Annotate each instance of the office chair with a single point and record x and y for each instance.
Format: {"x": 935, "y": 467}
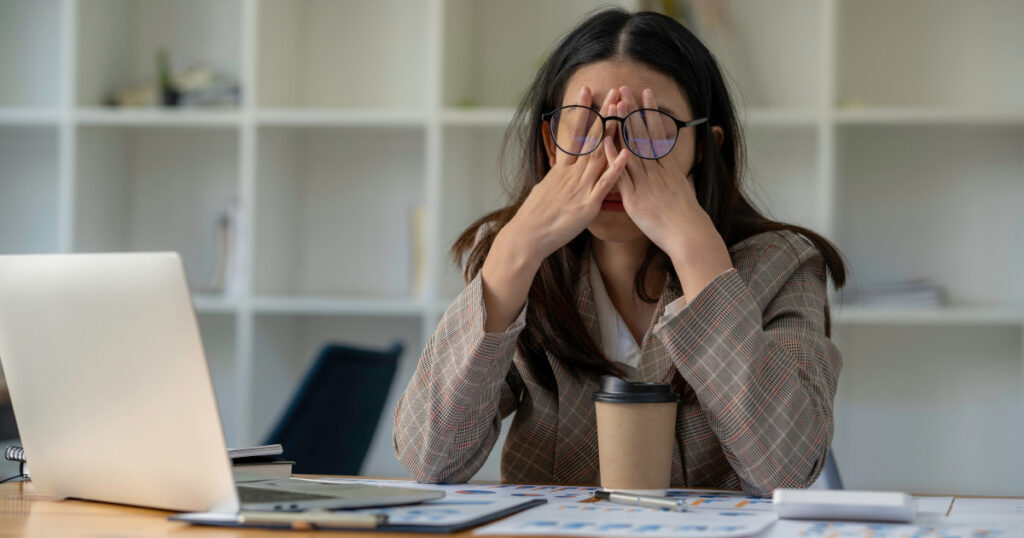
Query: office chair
{"x": 329, "y": 423}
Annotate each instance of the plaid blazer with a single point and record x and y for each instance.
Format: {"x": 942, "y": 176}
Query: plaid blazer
{"x": 749, "y": 357}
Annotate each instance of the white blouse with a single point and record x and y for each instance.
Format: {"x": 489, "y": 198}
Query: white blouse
{"x": 617, "y": 342}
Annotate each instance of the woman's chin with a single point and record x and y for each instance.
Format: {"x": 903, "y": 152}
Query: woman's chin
{"x": 615, "y": 227}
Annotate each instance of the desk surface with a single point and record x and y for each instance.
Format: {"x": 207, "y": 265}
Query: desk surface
{"x": 23, "y": 512}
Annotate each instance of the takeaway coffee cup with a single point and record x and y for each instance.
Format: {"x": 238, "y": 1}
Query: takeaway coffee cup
{"x": 635, "y": 429}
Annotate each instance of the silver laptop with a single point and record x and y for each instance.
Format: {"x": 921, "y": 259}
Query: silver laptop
{"x": 113, "y": 396}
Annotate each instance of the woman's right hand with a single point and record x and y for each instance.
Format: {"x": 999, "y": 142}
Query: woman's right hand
{"x": 569, "y": 196}
{"x": 557, "y": 209}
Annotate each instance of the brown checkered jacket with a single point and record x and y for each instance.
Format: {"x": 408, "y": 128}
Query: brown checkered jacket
{"x": 748, "y": 355}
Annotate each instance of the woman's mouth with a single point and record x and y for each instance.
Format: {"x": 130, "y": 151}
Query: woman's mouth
{"x": 613, "y": 202}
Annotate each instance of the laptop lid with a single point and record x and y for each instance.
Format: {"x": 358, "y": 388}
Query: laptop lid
{"x": 109, "y": 382}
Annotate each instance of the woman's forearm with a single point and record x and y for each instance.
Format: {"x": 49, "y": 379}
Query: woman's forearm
{"x": 507, "y": 274}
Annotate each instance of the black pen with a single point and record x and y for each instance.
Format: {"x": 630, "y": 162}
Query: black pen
{"x": 647, "y": 501}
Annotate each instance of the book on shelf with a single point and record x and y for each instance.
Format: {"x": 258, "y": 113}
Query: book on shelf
{"x": 918, "y": 293}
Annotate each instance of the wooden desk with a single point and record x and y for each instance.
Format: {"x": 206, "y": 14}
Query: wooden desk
{"x": 23, "y": 512}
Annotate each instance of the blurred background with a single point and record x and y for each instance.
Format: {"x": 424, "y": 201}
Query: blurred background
{"x": 313, "y": 160}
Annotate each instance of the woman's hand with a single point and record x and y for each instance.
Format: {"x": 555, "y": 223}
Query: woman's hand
{"x": 569, "y": 197}
{"x": 557, "y": 209}
{"x": 660, "y": 199}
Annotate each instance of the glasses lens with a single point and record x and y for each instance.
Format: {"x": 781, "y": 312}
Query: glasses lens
{"x": 650, "y": 133}
{"x": 577, "y": 130}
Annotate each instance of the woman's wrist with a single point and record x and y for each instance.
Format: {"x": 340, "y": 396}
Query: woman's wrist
{"x": 516, "y": 248}
{"x": 698, "y": 260}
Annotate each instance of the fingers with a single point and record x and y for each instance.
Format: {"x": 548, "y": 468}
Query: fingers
{"x": 636, "y": 167}
{"x": 662, "y": 135}
{"x": 572, "y": 126}
{"x": 598, "y": 158}
{"x": 612, "y": 174}
{"x": 597, "y": 129}
{"x": 636, "y": 127}
{"x": 627, "y": 186}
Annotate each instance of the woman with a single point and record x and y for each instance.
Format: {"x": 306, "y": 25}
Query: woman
{"x": 628, "y": 249}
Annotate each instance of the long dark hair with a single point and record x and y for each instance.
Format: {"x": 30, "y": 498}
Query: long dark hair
{"x": 661, "y": 43}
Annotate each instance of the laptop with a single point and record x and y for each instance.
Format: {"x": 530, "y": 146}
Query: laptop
{"x": 113, "y": 397}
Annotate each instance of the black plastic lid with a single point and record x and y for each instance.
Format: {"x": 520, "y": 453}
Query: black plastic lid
{"x": 615, "y": 390}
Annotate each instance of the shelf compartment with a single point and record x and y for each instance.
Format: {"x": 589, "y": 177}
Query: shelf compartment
{"x": 335, "y": 211}
{"x": 488, "y": 62}
{"x": 965, "y": 54}
{"x": 915, "y": 399}
{"x": 765, "y": 65}
{"x": 471, "y": 186}
{"x": 783, "y": 175}
{"x": 119, "y": 40}
{"x": 343, "y": 54}
{"x": 149, "y": 189}
{"x": 285, "y": 347}
{"x": 219, "y": 344}
{"x": 29, "y": 190}
{"x": 907, "y": 195}
{"x": 30, "y": 53}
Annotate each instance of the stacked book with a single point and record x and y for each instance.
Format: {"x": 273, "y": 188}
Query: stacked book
{"x": 265, "y": 461}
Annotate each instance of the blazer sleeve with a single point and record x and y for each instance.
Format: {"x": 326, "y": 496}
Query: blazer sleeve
{"x": 449, "y": 417}
{"x": 767, "y": 375}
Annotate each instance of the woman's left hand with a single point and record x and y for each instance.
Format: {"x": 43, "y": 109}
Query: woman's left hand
{"x": 661, "y": 200}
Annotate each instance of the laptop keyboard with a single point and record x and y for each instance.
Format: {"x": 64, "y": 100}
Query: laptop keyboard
{"x": 249, "y": 495}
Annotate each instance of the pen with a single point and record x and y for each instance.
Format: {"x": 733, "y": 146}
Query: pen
{"x": 314, "y": 519}
{"x": 648, "y": 501}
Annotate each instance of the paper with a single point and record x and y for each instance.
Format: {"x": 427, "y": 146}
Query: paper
{"x": 697, "y": 499}
{"x": 1012, "y": 508}
{"x": 555, "y": 494}
{"x": 700, "y": 499}
{"x": 443, "y": 512}
{"x": 933, "y": 505}
{"x": 784, "y": 528}
{"x": 608, "y": 519}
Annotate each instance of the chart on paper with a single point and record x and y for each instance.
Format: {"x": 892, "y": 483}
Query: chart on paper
{"x": 695, "y": 499}
{"x": 606, "y": 519}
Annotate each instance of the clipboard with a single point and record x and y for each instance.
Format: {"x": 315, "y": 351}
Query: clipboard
{"x": 433, "y": 516}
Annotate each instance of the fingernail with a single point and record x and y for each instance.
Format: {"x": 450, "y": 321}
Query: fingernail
{"x": 583, "y": 90}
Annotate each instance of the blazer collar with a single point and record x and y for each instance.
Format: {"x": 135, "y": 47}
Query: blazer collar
{"x": 587, "y": 309}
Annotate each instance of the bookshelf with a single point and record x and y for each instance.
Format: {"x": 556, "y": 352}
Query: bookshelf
{"x": 900, "y": 137}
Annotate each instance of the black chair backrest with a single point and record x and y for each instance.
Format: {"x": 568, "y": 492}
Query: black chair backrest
{"x": 329, "y": 423}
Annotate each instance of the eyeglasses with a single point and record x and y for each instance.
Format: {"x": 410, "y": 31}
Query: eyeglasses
{"x": 648, "y": 133}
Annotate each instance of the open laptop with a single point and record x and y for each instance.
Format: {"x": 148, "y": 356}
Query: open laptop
{"x": 112, "y": 393}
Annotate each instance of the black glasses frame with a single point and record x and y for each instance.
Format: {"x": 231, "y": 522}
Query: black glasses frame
{"x": 622, "y": 126}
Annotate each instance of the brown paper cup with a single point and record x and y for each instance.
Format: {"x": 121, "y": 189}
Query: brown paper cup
{"x": 635, "y": 439}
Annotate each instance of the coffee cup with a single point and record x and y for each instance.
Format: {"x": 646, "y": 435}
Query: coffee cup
{"x": 635, "y": 431}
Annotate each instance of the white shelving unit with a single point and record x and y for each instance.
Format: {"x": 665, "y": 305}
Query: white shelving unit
{"x": 368, "y": 128}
